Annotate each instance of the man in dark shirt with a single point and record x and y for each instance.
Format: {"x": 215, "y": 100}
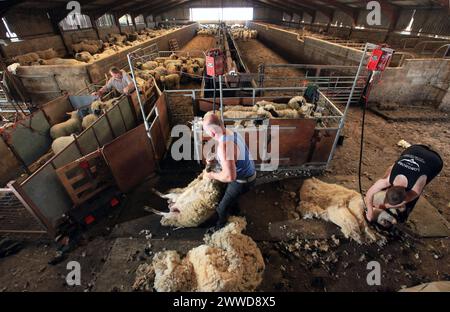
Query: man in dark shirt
{"x": 404, "y": 182}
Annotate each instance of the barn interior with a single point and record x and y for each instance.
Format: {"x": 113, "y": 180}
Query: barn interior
{"x": 326, "y": 94}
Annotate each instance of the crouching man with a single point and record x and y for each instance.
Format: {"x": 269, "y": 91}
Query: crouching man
{"x": 404, "y": 182}
{"x": 237, "y": 165}
{"x": 120, "y": 81}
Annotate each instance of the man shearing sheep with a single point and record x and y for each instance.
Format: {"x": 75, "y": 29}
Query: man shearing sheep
{"x": 237, "y": 165}
{"x": 404, "y": 182}
{"x": 119, "y": 80}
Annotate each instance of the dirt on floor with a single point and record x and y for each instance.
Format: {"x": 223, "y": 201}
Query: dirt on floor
{"x": 254, "y": 52}
{"x": 202, "y": 43}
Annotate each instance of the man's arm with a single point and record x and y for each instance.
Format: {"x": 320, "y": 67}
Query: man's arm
{"x": 106, "y": 88}
{"x": 130, "y": 86}
{"x": 416, "y": 190}
{"x": 378, "y": 186}
{"x": 228, "y": 163}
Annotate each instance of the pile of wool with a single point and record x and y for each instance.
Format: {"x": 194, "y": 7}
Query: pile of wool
{"x": 227, "y": 261}
{"x": 337, "y": 204}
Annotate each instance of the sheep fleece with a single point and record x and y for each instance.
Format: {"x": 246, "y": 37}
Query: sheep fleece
{"x": 196, "y": 203}
{"x": 227, "y": 261}
{"x": 339, "y": 205}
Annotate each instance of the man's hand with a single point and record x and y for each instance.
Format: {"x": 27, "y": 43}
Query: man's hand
{"x": 125, "y": 91}
{"x": 96, "y": 93}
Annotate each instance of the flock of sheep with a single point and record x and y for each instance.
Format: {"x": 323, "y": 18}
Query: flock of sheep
{"x": 63, "y": 133}
{"x": 170, "y": 71}
{"x": 88, "y": 50}
{"x": 297, "y": 107}
{"x": 243, "y": 33}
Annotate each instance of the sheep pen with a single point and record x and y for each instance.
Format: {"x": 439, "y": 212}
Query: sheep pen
{"x": 227, "y": 261}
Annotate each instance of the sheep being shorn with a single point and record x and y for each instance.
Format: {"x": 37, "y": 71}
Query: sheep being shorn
{"x": 192, "y": 205}
{"x": 227, "y": 261}
{"x": 68, "y": 127}
{"x": 337, "y": 204}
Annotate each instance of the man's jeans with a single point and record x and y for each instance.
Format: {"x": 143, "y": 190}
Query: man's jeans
{"x": 230, "y": 199}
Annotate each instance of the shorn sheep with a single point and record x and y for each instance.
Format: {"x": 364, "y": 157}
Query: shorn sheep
{"x": 337, "y": 204}
{"x": 192, "y": 205}
{"x": 227, "y": 261}
{"x": 66, "y": 128}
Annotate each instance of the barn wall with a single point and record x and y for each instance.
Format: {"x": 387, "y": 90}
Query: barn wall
{"x": 424, "y": 81}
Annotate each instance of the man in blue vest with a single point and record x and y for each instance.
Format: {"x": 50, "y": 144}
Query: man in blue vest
{"x": 237, "y": 165}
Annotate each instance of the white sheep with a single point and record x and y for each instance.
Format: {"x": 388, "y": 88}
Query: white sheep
{"x": 27, "y": 59}
{"x": 83, "y": 56}
{"x": 192, "y": 205}
{"x": 285, "y": 113}
{"x": 150, "y": 65}
{"x": 60, "y": 61}
{"x": 47, "y": 54}
{"x": 307, "y": 110}
{"x": 99, "y": 106}
{"x": 337, "y": 204}
{"x": 296, "y": 102}
{"x": 61, "y": 143}
{"x": 171, "y": 81}
{"x": 72, "y": 125}
{"x": 88, "y": 120}
{"x": 200, "y": 61}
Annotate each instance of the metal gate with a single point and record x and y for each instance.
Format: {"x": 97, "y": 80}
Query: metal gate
{"x": 15, "y": 217}
{"x": 334, "y": 81}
